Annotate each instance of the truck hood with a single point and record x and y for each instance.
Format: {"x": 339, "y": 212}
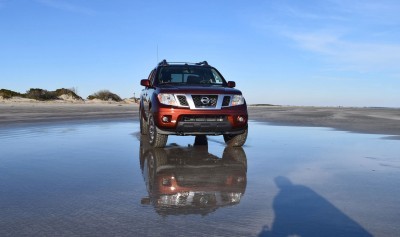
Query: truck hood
{"x": 198, "y": 90}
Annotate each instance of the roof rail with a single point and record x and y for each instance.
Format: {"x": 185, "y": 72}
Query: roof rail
{"x": 202, "y": 63}
{"x": 165, "y": 63}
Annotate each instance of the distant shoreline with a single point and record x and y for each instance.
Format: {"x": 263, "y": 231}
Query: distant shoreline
{"x": 385, "y": 121}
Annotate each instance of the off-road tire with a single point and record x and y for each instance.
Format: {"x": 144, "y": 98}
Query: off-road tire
{"x": 235, "y": 154}
{"x": 155, "y": 139}
{"x": 161, "y": 157}
{"x": 236, "y": 140}
{"x": 143, "y": 123}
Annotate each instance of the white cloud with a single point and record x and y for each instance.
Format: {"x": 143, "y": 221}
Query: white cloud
{"x": 322, "y": 43}
{"x": 354, "y": 55}
{"x": 65, "y": 6}
{"x": 384, "y": 11}
{"x": 348, "y": 35}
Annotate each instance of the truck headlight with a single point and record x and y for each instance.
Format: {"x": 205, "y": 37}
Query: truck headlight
{"x": 234, "y": 197}
{"x": 237, "y": 100}
{"x": 167, "y": 99}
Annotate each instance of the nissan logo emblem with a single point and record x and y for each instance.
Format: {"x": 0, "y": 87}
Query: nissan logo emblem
{"x": 205, "y": 100}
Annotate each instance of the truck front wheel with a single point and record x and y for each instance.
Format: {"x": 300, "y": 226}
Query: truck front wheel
{"x": 236, "y": 139}
{"x": 155, "y": 139}
{"x": 143, "y": 124}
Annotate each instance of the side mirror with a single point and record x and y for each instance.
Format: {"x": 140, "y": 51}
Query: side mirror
{"x": 231, "y": 84}
{"x": 145, "y": 82}
{"x": 145, "y": 201}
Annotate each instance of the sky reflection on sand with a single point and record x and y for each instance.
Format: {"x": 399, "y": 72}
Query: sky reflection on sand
{"x": 87, "y": 179}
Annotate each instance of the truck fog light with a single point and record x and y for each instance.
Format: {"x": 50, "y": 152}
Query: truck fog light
{"x": 166, "y": 119}
{"x": 240, "y": 119}
{"x": 166, "y": 182}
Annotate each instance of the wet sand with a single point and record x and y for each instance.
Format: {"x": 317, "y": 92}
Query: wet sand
{"x": 361, "y": 120}
{"x": 78, "y": 178}
{"x": 15, "y": 114}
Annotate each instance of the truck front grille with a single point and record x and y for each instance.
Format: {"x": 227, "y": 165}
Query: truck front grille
{"x": 201, "y": 101}
{"x": 182, "y": 100}
{"x": 226, "y": 100}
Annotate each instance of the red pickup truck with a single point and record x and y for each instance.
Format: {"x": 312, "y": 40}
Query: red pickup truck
{"x": 191, "y": 99}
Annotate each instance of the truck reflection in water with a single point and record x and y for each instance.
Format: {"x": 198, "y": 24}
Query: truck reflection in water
{"x": 190, "y": 180}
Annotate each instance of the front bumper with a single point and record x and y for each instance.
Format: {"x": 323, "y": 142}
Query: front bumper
{"x": 200, "y": 128}
{"x": 181, "y": 121}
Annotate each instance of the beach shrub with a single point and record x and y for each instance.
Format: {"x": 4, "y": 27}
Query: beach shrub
{"x": 105, "y": 95}
{"x": 40, "y": 94}
{"x": 69, "y": 92}
{"x": 7, "y": 94}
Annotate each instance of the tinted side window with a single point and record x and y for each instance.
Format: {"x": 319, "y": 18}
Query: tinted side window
{"x": 216, "y": 77}
{"x": 151, "y": 76}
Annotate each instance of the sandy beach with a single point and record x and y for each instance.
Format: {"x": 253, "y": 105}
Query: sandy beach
{"x": 83, "y": 169}
{"x": 15, "y": 114}
{"x": 362, "y": 120}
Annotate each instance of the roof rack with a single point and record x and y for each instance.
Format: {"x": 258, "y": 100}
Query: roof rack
{"x": 165, "y": 63}
{"x": 205, "y": 63}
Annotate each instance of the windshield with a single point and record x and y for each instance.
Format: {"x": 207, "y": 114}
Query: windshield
{"x": 189, "y": 75}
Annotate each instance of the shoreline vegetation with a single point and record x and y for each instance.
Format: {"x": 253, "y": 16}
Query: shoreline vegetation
{"x": 63, "y": 95}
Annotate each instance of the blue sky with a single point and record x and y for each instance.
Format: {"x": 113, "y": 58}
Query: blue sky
{"x": 322, "y": 53}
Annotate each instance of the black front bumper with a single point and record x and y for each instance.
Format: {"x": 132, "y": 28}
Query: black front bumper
{"x": 203, "y": 128}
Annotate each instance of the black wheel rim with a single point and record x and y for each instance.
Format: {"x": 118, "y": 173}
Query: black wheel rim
{"x": 151, "y": 130}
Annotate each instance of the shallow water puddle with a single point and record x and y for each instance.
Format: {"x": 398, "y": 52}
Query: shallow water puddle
{"x": 100, "y": 179}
